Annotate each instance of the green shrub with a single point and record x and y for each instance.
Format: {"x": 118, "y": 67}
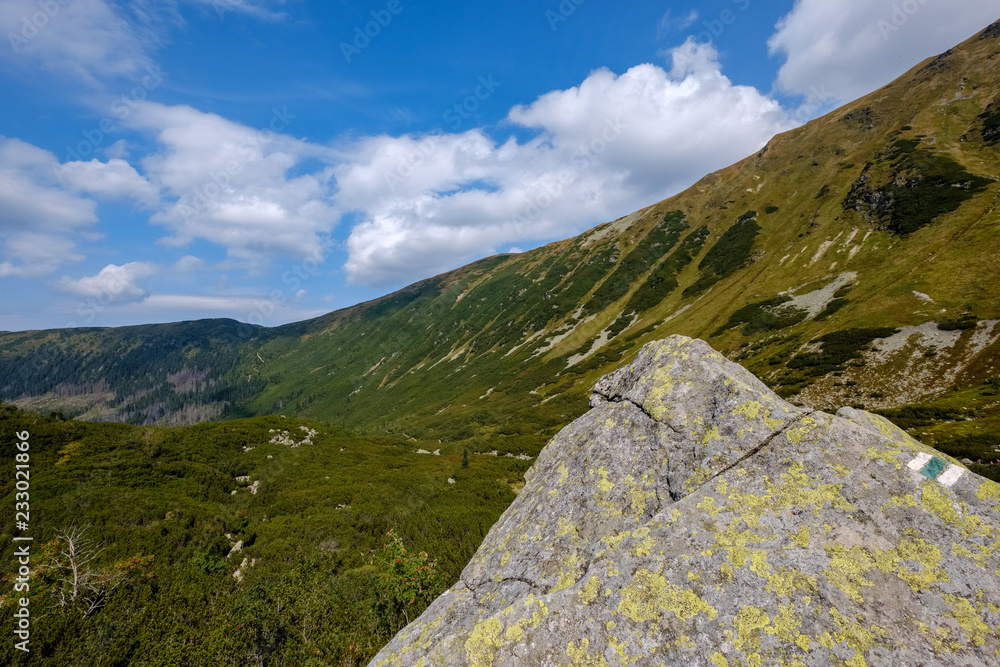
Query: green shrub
{"x": 913, "y": 416}
{"x": 838, "y": 348}
{"x": 768, "y": 315}
{"x": 967, "y": 321}
{"x": 663, "y": 280}
{"x": 407, "y": 582}
{"x": 650, "y": 250}
{"x": 831, "y": 308}
{"x": 733, "y": 251}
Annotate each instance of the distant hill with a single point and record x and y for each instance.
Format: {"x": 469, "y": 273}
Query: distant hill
{"x": 851, "y": 261}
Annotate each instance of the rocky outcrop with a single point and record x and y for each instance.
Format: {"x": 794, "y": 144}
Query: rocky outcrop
{"x": 694, "y": 518}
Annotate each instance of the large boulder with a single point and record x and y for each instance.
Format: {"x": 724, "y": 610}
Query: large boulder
{"x": 692, "y": 518}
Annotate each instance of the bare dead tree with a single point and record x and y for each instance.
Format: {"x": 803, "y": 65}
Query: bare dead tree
{"x": 85, "y": 584}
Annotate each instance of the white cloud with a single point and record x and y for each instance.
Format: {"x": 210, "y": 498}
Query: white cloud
{"x": 261, "y": 10}
{"x": 669, "y": 23}
{"x": 30, "y": 195}
{"x": 33, "y": 255}
{"x": 233, "y": 185}
{"x": 605, "y": 148}
{"x": 84, "y": 39}
{"x": 38, "y": 218}
{"x": 115, "y": 179}
{"x": 43, "y": 213}
{"x": 114, "y": 284}
{"x": 853, "y": 47}
{"x": 188, "y": 263}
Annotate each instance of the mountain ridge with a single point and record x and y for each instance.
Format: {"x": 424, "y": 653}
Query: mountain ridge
{"x": 813, "y": 236}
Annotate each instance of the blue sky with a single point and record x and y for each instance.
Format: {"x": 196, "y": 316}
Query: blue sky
{"x": 272, "y": 160}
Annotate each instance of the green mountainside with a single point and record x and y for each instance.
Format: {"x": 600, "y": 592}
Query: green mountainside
{"x": 851, "y": 261}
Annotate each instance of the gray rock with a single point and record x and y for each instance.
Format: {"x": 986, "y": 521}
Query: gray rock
{"x": 694, "y": 518}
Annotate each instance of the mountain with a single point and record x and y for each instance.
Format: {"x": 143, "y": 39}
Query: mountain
{"x": 692, "y": 517}
{"x": 850, "y": 261}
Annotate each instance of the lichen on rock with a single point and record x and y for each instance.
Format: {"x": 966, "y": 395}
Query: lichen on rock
{"x": 692, "y": 517}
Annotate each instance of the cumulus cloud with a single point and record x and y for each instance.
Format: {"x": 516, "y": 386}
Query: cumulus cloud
{"x": 38, "y": 218}
{"x": 613, "y": 144}
{"x": 235, "y": 186}
{"x": 115, "y": 179}
{"x": 853, "y": 47}
{"x": 113, "y": 285}
{"x": 33, "y": 255}
{"x": 43, "y": 210}
{"x": 85, "y": 39}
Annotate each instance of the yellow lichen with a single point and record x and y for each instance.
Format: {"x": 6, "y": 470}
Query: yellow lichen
{"x": 708, "y": 504}
{"x": 848, "y": 566}
{"x": 718, "y": 660}
{"x": 710, "y": 435}
{"x": 749, "y": 623}
{"x": 483, "y": 643}
{"x": 969, "y": 618}
{"x": 855, "y": 634}
{"x": 786, "y": 624}
{"x": 801, "y": 538}
{"x": 589, "y": 592}
{"x": 580, "y": 655}
{"x": 566, "y": 528}
{"x": 989, "y": 490}
{"x": 568, "y": 573}
{"x": 563, "y": 473}
{"x": 801, "y": 430}
{"x": 649, "y": 595}
{"x": 619, "y": 647}
{"x": 605, "y": 484}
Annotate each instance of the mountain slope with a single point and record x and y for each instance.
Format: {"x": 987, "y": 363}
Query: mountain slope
{"x": 801, "y": 261}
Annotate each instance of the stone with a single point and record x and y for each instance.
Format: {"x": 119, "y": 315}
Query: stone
{"x": 694, "y": 518}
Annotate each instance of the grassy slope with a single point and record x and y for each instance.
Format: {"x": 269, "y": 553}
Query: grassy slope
{"x": 807, "y": 174}
{"x": 502, "y": 353}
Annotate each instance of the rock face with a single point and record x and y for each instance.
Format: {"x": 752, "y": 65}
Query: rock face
{"x": 692, "y": 518}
